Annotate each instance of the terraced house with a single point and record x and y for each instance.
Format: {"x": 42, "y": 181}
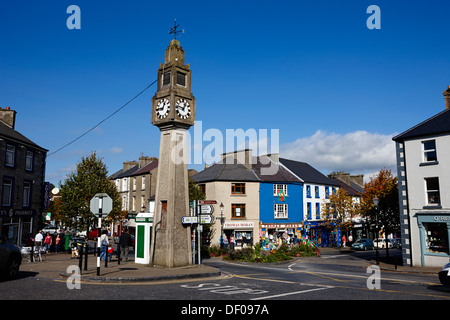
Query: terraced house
{"x": 22, "y": 174}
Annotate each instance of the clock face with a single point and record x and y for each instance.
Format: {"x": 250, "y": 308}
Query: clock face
{"x": 163, "y": 108}
{"x": 183, "y": 109}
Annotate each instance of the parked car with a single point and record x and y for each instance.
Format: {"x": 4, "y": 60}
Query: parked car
{"x": 397, "y": 243}
{"x": 363, "y": 244}
{"x": 444, "y": 275}
{"x": 10, "y": 260}
{"x": 53, "y": 230}
{"x": 381, "y": 243}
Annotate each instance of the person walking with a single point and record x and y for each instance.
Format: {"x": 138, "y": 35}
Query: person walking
{"x": 232, "y": 242}
{"x": 104, "y": 244}
{"x": 125, "y": 244}
{"x": 48, "y": 243}
{"x": 57, "y": 243}
{"x": 344, "y": 240}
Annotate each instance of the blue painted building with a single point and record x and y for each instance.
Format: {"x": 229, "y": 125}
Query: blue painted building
{"x": 280, "y": 200}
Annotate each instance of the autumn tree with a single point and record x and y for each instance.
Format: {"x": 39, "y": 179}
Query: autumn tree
{"x": 339, "y": 211}
{"x": 385, "y": 187}
{"x": 90, "y": 177}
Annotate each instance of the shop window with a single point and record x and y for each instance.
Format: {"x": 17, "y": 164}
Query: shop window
{"x": 238, "y": 188}
{"x": 436, "y": 237}
{"x": 433, "y": 194}
{"x": 238, "y": 211}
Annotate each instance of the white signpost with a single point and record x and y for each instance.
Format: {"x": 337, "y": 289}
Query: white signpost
{"x": 101, "y": 206}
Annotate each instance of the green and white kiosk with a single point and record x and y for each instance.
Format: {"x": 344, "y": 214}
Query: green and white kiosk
{"x": 144, "y": 224}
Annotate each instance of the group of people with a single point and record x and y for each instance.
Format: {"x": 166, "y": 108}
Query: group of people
{"x": 125, "y": 242}
{"x": 48, "y": 241}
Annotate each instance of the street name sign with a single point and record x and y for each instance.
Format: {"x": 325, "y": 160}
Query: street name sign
{"x": 101, "y": 205}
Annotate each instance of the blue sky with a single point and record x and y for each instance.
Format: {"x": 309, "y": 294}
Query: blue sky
{"x": 336, "y": 91}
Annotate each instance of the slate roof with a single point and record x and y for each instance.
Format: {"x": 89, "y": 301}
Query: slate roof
{"x": 146, "y": 169}
{"x": 438, "y": 124}
{"x": 307, "y": 173}
{"x": 15, "y": 136}
{"x": 122, "y": 174}
{"x": 230, "y": 170}
{"x": 353, "y": 189}
{"x": 274, "y": 172}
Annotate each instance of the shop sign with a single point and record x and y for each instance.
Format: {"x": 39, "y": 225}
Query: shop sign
{"x": 16, "y": 213}
{"x": 237, "y": 225}
{"x": 441, "y": 218}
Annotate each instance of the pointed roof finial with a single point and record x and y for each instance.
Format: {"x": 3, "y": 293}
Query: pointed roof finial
{"x": 175, "y": 31}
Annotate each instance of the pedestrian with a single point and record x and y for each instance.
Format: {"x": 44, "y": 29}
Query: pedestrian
{"x": 350, "y": 239}
{"x": 104, "y": 244}
{"x": 38, "y": 242}
{"x": 125, "y": 244}
{"x": 344, "y": 240}
{"x": 232, "y": 242}
{"x": 48, "y": 243}
{"x": 225, "y": 242}
{"x": 57, "y": 243}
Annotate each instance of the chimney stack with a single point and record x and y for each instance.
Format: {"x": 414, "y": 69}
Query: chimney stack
{"x": 8, "y": 117}
{"x": 446, "y": 94}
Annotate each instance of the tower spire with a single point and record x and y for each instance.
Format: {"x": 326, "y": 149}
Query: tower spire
{"x": 175, "y": 31}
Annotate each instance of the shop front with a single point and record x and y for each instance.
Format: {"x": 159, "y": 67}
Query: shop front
{"x": 320, "y": 235}
{"x": 243, "y": 231}
{"x": 434, "y": 233}
{"x": 17, "y": 225}
{"x": 280, "y": 231}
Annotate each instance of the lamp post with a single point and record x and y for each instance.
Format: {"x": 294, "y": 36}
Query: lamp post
{"x": 376, "y": 201}
{"x": 221, "y": 225}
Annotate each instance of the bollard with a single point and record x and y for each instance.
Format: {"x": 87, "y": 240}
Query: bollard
{"x": 86, "y": 249}
{"x": 118, "y": 254}
{"x": 80, "y": 256}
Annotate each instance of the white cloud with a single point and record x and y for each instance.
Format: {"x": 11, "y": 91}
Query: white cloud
{"x": 358, "y": 152}
{"x": 116, "y": 150}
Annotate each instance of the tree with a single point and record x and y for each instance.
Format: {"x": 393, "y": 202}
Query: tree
{"x": 385, "y": 187}
{"x": 339, "y": 211}
{"x": 80, "y": 186}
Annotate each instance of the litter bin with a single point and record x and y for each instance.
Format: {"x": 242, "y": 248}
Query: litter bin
{"x": 144, "y": 224}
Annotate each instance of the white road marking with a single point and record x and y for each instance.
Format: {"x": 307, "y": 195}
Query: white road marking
{"x": 288, "y": 294}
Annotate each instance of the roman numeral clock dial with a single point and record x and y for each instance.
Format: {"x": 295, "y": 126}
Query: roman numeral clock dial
{"x": 163, "y": 108}
{"x": 183, "y": 109}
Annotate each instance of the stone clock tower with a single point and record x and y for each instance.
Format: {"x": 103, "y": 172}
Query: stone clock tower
{"x": 173, "y": 112}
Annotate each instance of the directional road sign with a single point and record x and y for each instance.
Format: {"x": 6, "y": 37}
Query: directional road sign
{"x": 207, "y": 209}
{"x": 189, "y": 220}
{"x": 206, "y": 219}
{"x": 207, "y": 202}
{"x": 101, "y": 204}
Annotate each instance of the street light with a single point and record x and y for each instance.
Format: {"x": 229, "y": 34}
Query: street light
{"x": 221, "y": 225}
{"x": 376, "y": 201}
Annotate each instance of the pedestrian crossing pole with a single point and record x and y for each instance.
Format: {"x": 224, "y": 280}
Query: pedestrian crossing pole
{"x": 100, "y": 206}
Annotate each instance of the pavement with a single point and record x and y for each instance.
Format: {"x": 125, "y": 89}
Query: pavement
{"x": 56, "y": 266}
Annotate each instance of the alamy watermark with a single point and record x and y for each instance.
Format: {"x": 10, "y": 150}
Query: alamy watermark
{"x": 374, "y": 280}
{"x": 74, "y": 280}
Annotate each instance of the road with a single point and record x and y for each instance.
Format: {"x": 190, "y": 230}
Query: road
{"x": 330, "y": 277}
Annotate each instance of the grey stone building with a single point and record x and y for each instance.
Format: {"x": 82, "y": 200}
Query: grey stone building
{"x": 22, "y": 174}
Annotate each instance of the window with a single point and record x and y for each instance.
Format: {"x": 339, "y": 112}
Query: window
{"x": 436, "y": 237}
{"x": 29, "y": 161}
{"x": 7, "y": 192}
{"x": 317, "y": 210}
{"x": 238, "y": 188}
{"x": 10, "y": 155}
{"x": 181, "y": 79}
{"x": 280, "y": 190}
{"x": 433, "y": 194}
{"x": 134, "y": 183}
{"x": 134, "y": 204}
{"x": 26, "y": 194}
{"x": 238, "y": 211}
{"x": 308, "y": 210}
{"x": 317, "y": 192}
{"x": 308, "y": 191}
{"x": 327, "y": 192}
{"x": 166, "y": 79}
{"x": 280, "y": 211}
{"x": 143, "y": 183}
{"x": 124, "y": 184}
{"x": 429, "y": 151}
{"x": 202, "y": 187}
{"x": 143, "y": 202}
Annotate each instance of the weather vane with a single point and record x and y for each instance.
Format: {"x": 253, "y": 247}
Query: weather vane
{"x": 175, "y": 31}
